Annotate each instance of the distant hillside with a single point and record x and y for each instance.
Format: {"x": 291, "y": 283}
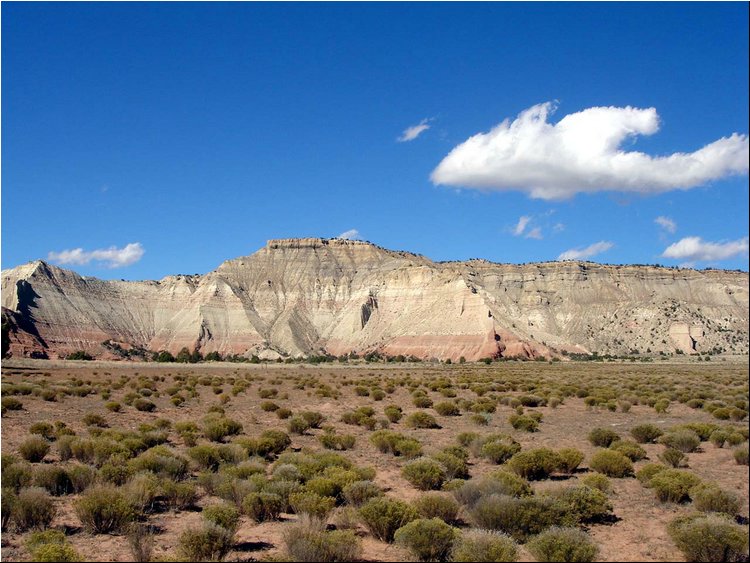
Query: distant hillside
{"x": 309, "y": 296}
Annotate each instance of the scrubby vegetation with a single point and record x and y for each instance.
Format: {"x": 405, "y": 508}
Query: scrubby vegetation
{"x": 461, "y": 462}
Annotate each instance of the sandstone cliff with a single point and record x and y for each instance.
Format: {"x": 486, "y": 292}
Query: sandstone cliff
{"x": 305, "y": 296}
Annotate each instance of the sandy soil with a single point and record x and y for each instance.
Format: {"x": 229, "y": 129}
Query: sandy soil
{"x": 638, "y": 534}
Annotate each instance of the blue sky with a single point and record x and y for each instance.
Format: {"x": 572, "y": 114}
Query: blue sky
{"x": 195, "y": 132}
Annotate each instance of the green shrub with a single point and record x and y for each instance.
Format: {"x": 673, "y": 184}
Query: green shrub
{"x": 455, "y": 467}
{"x": 383, "y": 516}
{"x": 645, "y": 433}
{"x": 222, "y": 514}
{"x": 534, "y": 464}
{"x": 50, "y": 545}
{"x": 466, "y": 438}
{"x": 94, "y": 419}
{"x": 313, "y": 419}
{"x": 218, "y": 428}
{"x": 518, "y": 517}
{"x": 422, "y": 402}
{"x": 333, "y": 441}
{"x": 498, "y": 448}
{"x": 309, "y": 541}
{"x": 421, "y": 419}
{"x": 583, "y": 503}
{"x": 563, "y": 544}
{"x": 16, "y": 475}
{"x": 298, "y": 425}
{"x": 484, "y": 546}
{"x": 611, "y": 463}
{"x": 113, "y": 406}
{"x": 359, "y": 492}
{"x": 44, "y": 429}
{"x": 393, "y": 413}
{"x": 54, "y": 479}
{"x": 597, "y": 481}
{"x": 523, "y": 422}
{"x": 34, "y": 449}
{"x": 497, "y": 483}
{"x": 603, "y": 437}
{"x": 713, "y": 537}
{"x": 144, "y": 405}
{"x": 428, "y": 540}
{"x": 205, "y": 456}
{"x": 438, "y": 505}
{"x": 312, "y": 504}
{"x": 208, "y": 543}
{"x": 269, "y": 406}
{"x": 397, "y": 444}
{"x": 425, "y": 474}
{"x": 11, "y": 404}
{"x": 141, "y": 491}
{"x": 55, "y": 552}
{"x": 283, "y": 413}
{"x": 447, "y": 408}
{"x": 709, "y": 497}
{"x": 262, "y": 507}
{"x": 141, "y": 542}
{"x": 673, "y": 485}
{"x": 718, "y": 438}
{"x": 647, "y": 472}
{"x": 103, "y": 509}
{"x": 33, "y": 508}
{"x": 741, "y": 455}
{"x": 672, "y": 457}
{"x": 8, "y": 498}
{"x": 569, "y": 459}
{"x": 179, "y": 496}
{"x": 631, "y": 450}
{"x": 684, "y": 440}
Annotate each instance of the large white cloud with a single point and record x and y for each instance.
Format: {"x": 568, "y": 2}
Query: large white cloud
{"x": 694, "y": 249}
{"x": 111, "y": 257}
{"x": 588, "y": 252}
{"x": 582, "y": 153}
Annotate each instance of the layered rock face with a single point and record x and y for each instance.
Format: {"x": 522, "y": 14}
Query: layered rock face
{"x": 306, "y": 296}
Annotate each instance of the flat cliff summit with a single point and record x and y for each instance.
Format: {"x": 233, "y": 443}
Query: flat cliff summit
{"x": 300, "y": 297}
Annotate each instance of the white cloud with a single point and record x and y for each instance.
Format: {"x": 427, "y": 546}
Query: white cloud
{"x": 351, "y": 234}
{"x": 520, "y": 227}
{"x": 666, "y": 223}
{"x": 112, "y": 257}
{"x": 535, "y": 233}
{"x": 558, "y": 227}
{"x": 411, "y": 133}
{"x": 581, "y": 154}
{"x": 588, "y": 252}
{"x": 692, "y": 249}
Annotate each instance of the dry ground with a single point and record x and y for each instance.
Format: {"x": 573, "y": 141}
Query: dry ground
{"x": 639, "y": 533}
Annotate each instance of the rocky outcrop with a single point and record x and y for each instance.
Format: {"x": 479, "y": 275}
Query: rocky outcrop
{"x": 307, "y": 296}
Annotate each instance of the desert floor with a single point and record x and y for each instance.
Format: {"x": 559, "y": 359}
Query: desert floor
{"x": 636, "y": 533}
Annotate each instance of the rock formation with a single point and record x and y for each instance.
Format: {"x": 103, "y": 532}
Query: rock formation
{"x": 308, "y": 296}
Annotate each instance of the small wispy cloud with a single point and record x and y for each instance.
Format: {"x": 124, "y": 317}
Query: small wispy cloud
{"x": 535, "y": 233}
{"x": 111, "y": 257}
{"x": 351, "y": 234}
{"x": 411, "y": 133}
{"x": 520, "y": 227}
{"x": 558, "y": 227}
{"x": 666, "y": 223}
{"x": 583, "y": 153}
{"x": 588, "y": 252}
{"x": 694, "y": 249}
